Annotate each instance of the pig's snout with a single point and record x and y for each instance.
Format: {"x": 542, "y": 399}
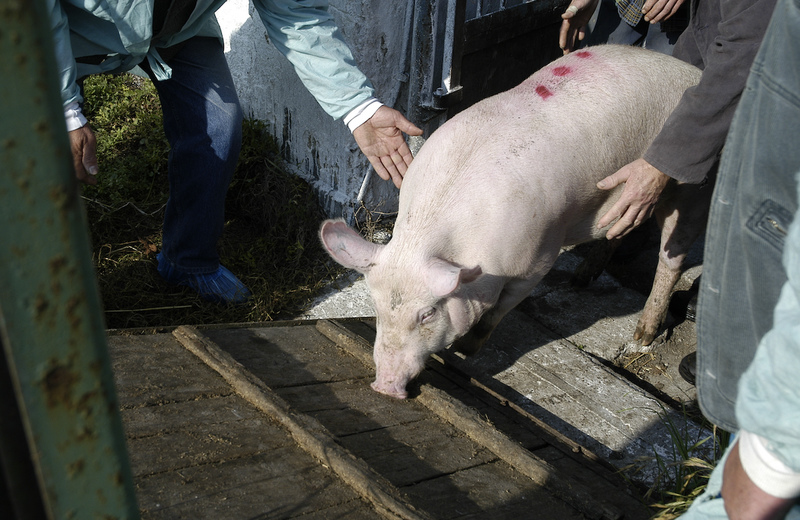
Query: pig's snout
{"x": 394, "y": 369}
{"x": 392, "y": 388}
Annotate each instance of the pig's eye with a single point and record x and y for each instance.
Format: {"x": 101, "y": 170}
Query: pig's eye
{"x": 427, "y": 316}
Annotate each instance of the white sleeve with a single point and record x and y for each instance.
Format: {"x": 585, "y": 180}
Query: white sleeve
{"x": 361, "y": 114}
{"x": 74, "y": 116}
{"x": 766, "y": 471}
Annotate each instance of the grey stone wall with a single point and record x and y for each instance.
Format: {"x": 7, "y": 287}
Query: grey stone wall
{"x": 320, "y": 150}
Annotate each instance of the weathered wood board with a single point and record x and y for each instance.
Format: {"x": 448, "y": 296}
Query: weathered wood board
{"x": 278, "y": 421}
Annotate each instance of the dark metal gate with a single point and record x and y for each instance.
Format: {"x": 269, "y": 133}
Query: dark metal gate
{"x": 467, "y": 50}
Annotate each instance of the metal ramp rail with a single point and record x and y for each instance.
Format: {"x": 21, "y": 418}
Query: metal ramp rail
{"x": 62, "y": 447}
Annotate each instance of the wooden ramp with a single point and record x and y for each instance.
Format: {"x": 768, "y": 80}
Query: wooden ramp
{"x": 278, "y": 420}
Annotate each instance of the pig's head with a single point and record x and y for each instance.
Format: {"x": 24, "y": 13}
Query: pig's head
{"x": 417, "y": 301}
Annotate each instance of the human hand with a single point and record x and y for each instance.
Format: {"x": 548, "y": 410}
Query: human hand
{"x": 381, "y": 139}
{"x": 575, "y": 19}
{"x": 659, "y": 10}
{"x": 84, "y": 154}
{"x": 643, "y": 186}
{"x": 743, "y": 499}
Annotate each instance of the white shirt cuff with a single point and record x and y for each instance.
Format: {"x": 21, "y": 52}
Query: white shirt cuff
{"x": 766, "y": 471}
{"x": 74, "y": 116}
{"x": 361, "y": 114}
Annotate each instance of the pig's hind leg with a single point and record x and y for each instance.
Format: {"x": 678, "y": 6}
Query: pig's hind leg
{"x": 682, "y": 215}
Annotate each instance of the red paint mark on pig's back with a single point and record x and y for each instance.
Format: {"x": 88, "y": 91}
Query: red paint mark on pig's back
{"x": 543, "y": 91}
{"x": 547, "y": 82}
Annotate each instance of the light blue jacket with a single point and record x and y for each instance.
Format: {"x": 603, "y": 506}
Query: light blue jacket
{"x": 768, "y": 403}
{"x": 302, "y": 30}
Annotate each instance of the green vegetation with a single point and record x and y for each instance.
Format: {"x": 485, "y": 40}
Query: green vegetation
{"x": 270, "y": 238}
{"x": 684, "y": 476}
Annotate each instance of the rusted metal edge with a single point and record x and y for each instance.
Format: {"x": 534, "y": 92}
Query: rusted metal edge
{"x": 309, "y": 433}
{"x": 51, "y": 324}
{"x": 468, "y": 421}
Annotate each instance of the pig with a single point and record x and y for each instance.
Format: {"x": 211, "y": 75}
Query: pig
{"x": 497, "y": 191}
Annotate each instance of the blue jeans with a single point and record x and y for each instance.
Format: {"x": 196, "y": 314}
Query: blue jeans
{"x": 203, "y": 124}
{"x": 752, "y": 208}
{"x": 607, "y": 27}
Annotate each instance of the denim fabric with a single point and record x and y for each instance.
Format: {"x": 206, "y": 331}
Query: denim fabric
{"x": 606, "y": 26}
{"x": 768, "y": 403}
{"x": 754, "y": 203}
{"x": 203, "y": 124}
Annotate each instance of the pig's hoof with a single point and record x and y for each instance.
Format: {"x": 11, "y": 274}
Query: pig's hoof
{"x": 644, "y": 335}
{"x": 584, "y": 275}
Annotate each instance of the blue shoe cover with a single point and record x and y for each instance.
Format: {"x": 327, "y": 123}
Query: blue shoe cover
{"x": 221, "y": 286}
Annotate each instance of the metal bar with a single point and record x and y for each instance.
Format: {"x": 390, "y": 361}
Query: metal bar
{"x": 50, "y": 312}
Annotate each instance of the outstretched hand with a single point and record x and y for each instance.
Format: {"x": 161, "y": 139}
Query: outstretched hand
{"x": 643, "y": 186}
{"x": 573, "y": 28}
{"x": 84, "y": 154}
{"x": 381, "y": 139}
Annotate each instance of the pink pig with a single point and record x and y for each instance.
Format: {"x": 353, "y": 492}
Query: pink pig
{"x": 498, "y": 190}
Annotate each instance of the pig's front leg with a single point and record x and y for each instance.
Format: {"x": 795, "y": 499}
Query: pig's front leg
{"x": 471, "y": 343}
{"x": 513, "y": 293}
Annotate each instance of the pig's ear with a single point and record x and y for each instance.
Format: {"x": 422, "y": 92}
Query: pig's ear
{"x": 348, "y": 247}
{"x": 445, "y": 277}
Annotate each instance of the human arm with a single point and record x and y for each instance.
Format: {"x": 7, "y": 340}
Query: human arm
{"x": 643, "y": 186}
{"x": 575, "y": 19}
{"x": 306, "y": 34}
{"x": 744, "y": 498}
{"x": 83, "y": 144}
{"x": 762, "y": 475}
{"x": 689, "y": 143}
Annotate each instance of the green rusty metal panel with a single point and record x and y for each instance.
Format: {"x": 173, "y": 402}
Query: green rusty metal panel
{"x": 53, "y": 331}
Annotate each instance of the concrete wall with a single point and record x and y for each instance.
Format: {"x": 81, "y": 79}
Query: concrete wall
{"x": 321, "y": 150}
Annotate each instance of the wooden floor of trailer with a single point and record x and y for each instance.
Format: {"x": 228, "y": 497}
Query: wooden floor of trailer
{"x": 278, "y": 420}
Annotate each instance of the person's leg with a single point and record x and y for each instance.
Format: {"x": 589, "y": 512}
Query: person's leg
{"x": 203, "y": 124}
{"x": 607, "y": 27}
{"x": 662, "y": 37}
{"x": 660, "y": 40}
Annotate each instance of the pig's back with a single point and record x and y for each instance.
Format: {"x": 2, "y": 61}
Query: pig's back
{"x": 596, "y": 107}
{"x": 545, "y": 143}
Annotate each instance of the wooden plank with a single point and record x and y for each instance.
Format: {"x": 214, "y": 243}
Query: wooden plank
{"x": 162, "y": 372}
{"x": 306, "y": 431}
{"x": 417, "y": 452}
{"x": 284, "y": 483}
{"x": 200, "y": 454}
{"x": 275, "y": 353}
{"x": 200, "y": 443}
{"x": 152, "y": 420}
{"x": 493, "y": 491}
{"x": 467, "y": 420}
{"x": 350, "y": 407}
